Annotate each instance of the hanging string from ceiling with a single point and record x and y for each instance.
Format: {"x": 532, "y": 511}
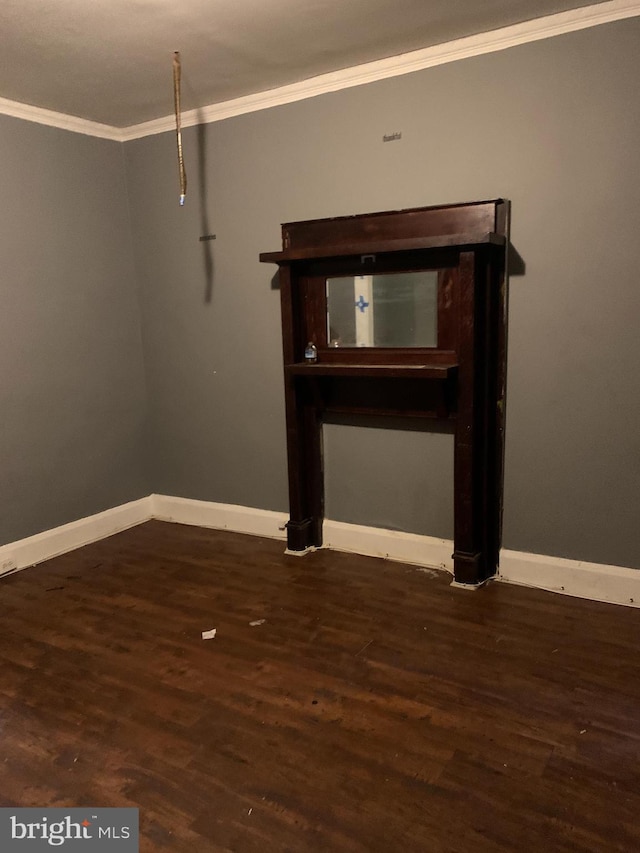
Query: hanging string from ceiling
{"x": 177, "y": 68}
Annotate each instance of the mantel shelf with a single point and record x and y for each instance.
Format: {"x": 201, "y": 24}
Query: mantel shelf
{"x": 450, "y": 241}
{"x": 416, "y": 371}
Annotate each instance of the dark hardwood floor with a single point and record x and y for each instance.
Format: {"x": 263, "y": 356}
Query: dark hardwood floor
{"x": 375, "y": 708}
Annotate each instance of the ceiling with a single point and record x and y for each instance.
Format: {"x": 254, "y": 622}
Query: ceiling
{"x": 110, "y": 61}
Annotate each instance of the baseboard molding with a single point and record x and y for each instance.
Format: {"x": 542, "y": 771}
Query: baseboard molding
{"x": 337, "y": 535}
{"x": 595, "y": 581}
{"x": 240, "y": 519}
{"x": 68, "y": 537}
{"x": 394, "y": 545}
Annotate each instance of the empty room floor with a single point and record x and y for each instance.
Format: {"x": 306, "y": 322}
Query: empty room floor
{"x": 345, "y": 703}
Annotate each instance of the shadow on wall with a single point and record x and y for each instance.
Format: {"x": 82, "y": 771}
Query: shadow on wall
{"x": 515, "y": 262}
{"x": 206, "y": 238}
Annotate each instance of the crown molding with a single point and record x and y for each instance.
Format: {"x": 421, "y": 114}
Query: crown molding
{"x": 60, "y": 120}
{"x": 395, "y": 66}
{"x": 358, "y": 75}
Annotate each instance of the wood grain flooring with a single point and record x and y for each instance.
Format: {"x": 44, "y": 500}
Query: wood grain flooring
{"x": 374, "y": 708}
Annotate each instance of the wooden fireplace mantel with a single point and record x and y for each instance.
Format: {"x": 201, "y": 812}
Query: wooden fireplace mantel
{"x": 460, "y": 380}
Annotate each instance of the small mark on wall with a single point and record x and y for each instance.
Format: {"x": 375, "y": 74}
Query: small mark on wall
{"x": 391, "y": 137}
{"x": 207, "y": 237}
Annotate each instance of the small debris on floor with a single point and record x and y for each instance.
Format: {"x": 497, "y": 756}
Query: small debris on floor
{"x": 431, "y": 572}
{"x": 53, "y": 588}
{"x": 257, "y": 622}
{"x": 209, "y": 635}
{"x": 250, "y": 810}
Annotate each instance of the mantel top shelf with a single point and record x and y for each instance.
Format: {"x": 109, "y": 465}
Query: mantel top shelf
{"x": 472, "y": 225}
{"x": 416, "y": 371}
{"x": 379, "y": 247}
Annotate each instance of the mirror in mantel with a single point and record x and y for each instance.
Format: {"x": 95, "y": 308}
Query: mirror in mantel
{"x": 385, "y": 310}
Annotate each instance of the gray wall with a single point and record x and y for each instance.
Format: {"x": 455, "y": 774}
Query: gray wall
{"x": 554, "y": 126}
{"x": 72, "y": 395}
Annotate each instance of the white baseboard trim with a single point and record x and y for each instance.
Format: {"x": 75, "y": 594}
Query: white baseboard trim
{"x": 595, "y": 581}
{"x": 68, "y": 537}
{"x": 389, "y": 544}
{"x": 240, "y": 519}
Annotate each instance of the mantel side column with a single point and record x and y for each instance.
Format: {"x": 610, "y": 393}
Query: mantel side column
{"x": 470, "y": 458}
{"x": 304, "y": 435}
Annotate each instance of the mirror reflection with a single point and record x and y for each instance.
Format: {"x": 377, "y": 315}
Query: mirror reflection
{"x": 386, "y": 310}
